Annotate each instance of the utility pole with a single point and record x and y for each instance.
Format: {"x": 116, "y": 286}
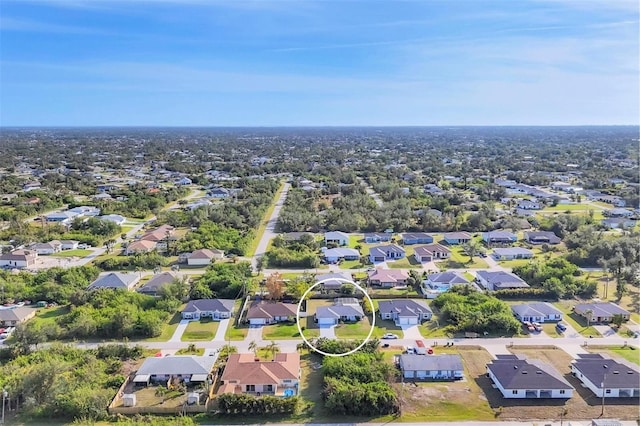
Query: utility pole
{"x": 5, "y": 394}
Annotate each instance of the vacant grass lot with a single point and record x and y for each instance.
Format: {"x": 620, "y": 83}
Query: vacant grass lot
{"x": 583, "y": 405}
{"x": 630, "y": 353}
{"x": 49, "y": 315}
{"x": 72, "y": 253}
{"x": 168, "y": 329}
{"x": 459, "y": 260}
{"x": 205, "y": 329}
{"x": 287, "y": 331}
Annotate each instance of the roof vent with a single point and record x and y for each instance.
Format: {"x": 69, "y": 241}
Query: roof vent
{"x": 524, "y": 372}
{"x": 629, "y": 372}
{"x": 538, "y": 372}
{"x": 616, "y": 372}
{"x": 606, "y": 366}
{"x": 515, "y": 367}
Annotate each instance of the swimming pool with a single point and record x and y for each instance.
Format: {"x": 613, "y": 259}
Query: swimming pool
{"x": 289, "y": 392}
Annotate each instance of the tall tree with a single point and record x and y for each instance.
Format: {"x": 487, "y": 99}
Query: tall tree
{"x": 275, "y": 286}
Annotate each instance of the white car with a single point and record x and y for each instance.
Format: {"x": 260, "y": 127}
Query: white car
{"x": 390, "y": 336}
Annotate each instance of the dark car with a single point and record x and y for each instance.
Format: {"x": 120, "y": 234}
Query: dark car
{"x": 560, "y": 326}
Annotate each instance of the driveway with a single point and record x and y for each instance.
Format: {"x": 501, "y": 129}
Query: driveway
{"x": 328, "y": 331}
{"x": 177, "y": 335}
{"x": 222, "y": 329}
{"x": 411, "y": 332}
{"x": 254, "y": 334}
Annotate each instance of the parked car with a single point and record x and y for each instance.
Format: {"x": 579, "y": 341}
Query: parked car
{"x": 561, "y": 327}
{"x": 537, "y": 326}
{"x": 410, "y": 350}
{"x": 390, "y": 336}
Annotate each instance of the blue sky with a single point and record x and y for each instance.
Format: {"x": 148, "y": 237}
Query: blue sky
{"x": 302, "y": 62}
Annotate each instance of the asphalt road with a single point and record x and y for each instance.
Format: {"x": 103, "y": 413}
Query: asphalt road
{"x": 270, "y": 231}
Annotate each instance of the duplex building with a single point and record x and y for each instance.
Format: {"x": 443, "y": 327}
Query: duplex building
{"x": 536, "y": 312}
{"x": 404, "y": 311}
{"x": 116, "y": 281}
{"x": 432, "y": 367}
{"x": 605, "y": 376}
{"x": 511, "y": 253}
{"x": 600, "y": 312}
{"x": 190, "y": 369}
{"x": 343, "y": 309}
{"x": 454, "y": 238}
{"x": 19, "y": 259}
{"x": 541, "y": 237}
{"x": 216, "y": 309}
{"x": 499, "y": 237}
{"x": 417, "y": 238}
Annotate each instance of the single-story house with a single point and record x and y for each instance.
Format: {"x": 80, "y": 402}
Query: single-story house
{"x": 204, "y": 257}
{"x": 431, "y": 252}
{"x": 62, "y": 217}
{"x": 600, "y": 312}
{"x": 541, "y": 237}
{"x": 184, "y": 181}
{"x": 536, "y": 312}
{"x": 510, "y": 253}
{"x": 433, "y": 367}
{"x": 333, "y": 281}
{"x": 454, "y": 238}
{"x": 499, "y": 237}
{"x": 388, "y": 278}
{"x": 529, "y": 205}
{"x": 189, "y": 368}
{"x": 261, "y": 313}
{"x": 158, "y": 234}
{"x": 69, "y": 244}
{"x": 404, "y": 311}
{"x": 337, "y": 254}
{"x": 46, "y": 248}
{"x": 499, "y": 280}
{"x": 343, "y": 309}
{"x": 605, "y": 376}
{"x": 531, "y": 379}
{"x": 103, "y": 196}
{"x": 19, "y": 259}
{"x": 386, "y": 252}
{"x": 140, "y": 246}
{"x": 216, "y": 309}
{"x": 157, "y": 282}
{"x": 618, "y": 223}
{"x": 14, "y": 316}
{"x": 377, "y": 237}
{"x": 336, "y": 237}
{"x": 115, "y": 218}
{"x": 86, "y": 211}
{"x": 416, "y": 238}
{"x": 443, "y": 281}
{"x": 115, "y": 280}
{"x": 219, "y": 193}
{"x": 243, "y": 374}
{"x": 618, "y": 212}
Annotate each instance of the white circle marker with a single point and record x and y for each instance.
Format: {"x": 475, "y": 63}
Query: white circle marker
{"x": 346, "y": 281}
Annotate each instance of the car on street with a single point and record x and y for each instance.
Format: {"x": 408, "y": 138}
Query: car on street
{"x": 390, "y": 336}
{"x": 561, "y": 327}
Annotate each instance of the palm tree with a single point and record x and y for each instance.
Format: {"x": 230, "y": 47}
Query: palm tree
{"x": 589, "y": 314}
{"x": 253, "y": 346}
{"x": 300, "y": 347}
{"x": 274, "y": 348}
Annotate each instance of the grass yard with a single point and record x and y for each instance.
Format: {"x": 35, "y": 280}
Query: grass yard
{"x": 459, "y": 260}
{"x": 236, "y": 333}
{"x": 350, "y": 264}
{"x": 434, "y": 328}
{"x": 386, "y": 326}
{"x": 205, "y": 329}
{"x": 583, "y": 405}
{"x": 356, "y": 330}
{"x": 356, "y": 239}
{"x": 630, "y": 353}
{"x": 570, "y": 207}
{"x": 263, "y": 224}
{"x": 72, "y": 253}
{"x": 551, "y": 330}
{"x": 168, "y": 329}
{"x": 576, "y": 321}
{"x": 186, "y": 351}
{"x": 49, "y": 315}
{"x": 287, "y": 331}
{"x": 515, "y": 262}
{"x": 408, "y": 262}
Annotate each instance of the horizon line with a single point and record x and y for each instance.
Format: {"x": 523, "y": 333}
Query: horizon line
{"x": 304, "y": 126}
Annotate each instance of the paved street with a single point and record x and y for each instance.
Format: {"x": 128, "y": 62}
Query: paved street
{"x": 270, "y": 231}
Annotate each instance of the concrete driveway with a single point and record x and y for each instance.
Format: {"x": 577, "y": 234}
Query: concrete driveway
{"x": 177, "y": 335}
{"x": 222, "y": 329}
{"x": 411, "y": 332}
{"x": 605, "y": 330}
{"x": 254, "y": 334}
{"x": 328, "y": 331}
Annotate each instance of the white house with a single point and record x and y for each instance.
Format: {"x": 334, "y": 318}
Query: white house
{"x": 337, "y": 254}
{"x": 204, "y": 257}
{"x": 46, "y": 248}
{"x": 511, "y": 253}
{"x": 19, "y": 259}
{"x": 261, "y": 313}
{"x": 336, "y": 237}
{"x": 606, "y": 376}
{"x": 432, "y": 367}
{"x": 343, "y": 309}
{"x": 216, "y": 309}
{"x": 404, "y": 311}
{"x": 431, "y": 252}
{"x": 69, "y": 244}
{"x": 531, "y": 379}
{"x": 115, "y": 218}
{"x": 536, "y": 312}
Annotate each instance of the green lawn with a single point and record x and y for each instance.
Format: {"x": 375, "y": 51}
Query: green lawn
{"x": 629, "y": 353}
{"x": 356, "y": 239}
{"x": 386, "y": 326}
{"x": 204, "y": 329}
{"x": 263, "y": 225}
{"x": 408, "y": 262}
{"x": 434, "y": 328}
{"x": 575, "y": 320}
{"x": 286, "y": 331}
{"x": 168, "y": 329}
{"x": 72, "y": 253}
{"x": 356, "y": 330}
{"x": 570, "y": 207}
{"x": 350, "y": 264}
{"x": 49, "y": 315}
{"x": 551, "y": 330}
{"x": 460, "y": 260}
{"x": 515, "y": 262}
{"x": 236, "y": 333}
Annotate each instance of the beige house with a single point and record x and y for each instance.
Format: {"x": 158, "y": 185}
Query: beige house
{"x": 243, "y": 374}
{"x": 15, "y": 316}
{"x": 204, "y": 257}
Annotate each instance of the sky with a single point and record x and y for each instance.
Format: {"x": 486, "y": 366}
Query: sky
{"x": 319, "y": 63}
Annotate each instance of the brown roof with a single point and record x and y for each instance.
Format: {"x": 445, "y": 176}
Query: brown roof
{"x": 271, "y": 309}
{"x": 388, "y": 275}
{"x": 142, "y": 245}
{"x": 21, "y": 255}
{"x": 158, "y": 234}
{"x": 204, "y": 254}
{"x": 243, "y": 369}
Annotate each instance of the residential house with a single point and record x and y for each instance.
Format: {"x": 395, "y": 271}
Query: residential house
{"x": 531, "y": 379}
{"x": 385, "y": 253}
{"x": 618, "y": 223}
{"x": 454, "y": 238}
{"x": 433, "y": 189}
{"x": 618, "y": 212}
{"x": 600, "y": 312}
{"x": 85, "y": 211}
{"x": 158, "y": 234}
{"x": 499, "y": 237}
{"x": 19, "y": 259}
{"x": 184, "y": 181}
{"x": 14, "y": 316}
{"x": 103, "y": 196}
{"x": 219, "y": 193}
{"x": 388, "y": 278}
{"x": 204, "y": 257}
{"x": 433, "y": 367}
{"x": 115, "y": 280}
{"x": 440, "y": 282}
{"x": 337, "y": 254}
{"x": 188, "y": 368}
{"x": 197, "y": 204}
{"x": 416, "y": 238}
{"x": 377, "y": 237}
{"x": 261, "y": 313}
{"x": 46, "y": 248}
{"x": 499, "y": 280}
{"x": 431, "y": 252}
{"x": 156, "y": 283}
{"x": 336, "y": 237}
{"x": 529, "y": 205}
{"x": 216, "y": 309}
{"x": 541, "y": 237}
{"x": 404, "y": 311}
{"x": 61, "y": 217}
{"x": 243, "y": 374}
{"x": 511, "y": 253}
{"x": 334, "y": 281}
{"x": 343, "y": 309}
{"x": 536, "y": 312}
{"x": 140, "y": 246}
{"x": 30, "y": 186}
{"x": 115, "y": 218}
{"x": 608, "y": 377}
{"x": 69, "y": 244}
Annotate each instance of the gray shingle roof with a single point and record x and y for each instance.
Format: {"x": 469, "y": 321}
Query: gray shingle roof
{"x": 600, "y": 309}
{"x": 448, "y": 277}
{"x": 403, "y": 305}
{"x": 115, "y": 280}
{"x": 209, "y": 305}
{"x": 177, "y": 365}
{"x": 338, "y": 311}
{"x": 157, "y": 282}
{"x": 514, "y": 373}
{"x": 409, "y": 362}
{"x": 593, "y": 368}
{"x": 539, "y": 308}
